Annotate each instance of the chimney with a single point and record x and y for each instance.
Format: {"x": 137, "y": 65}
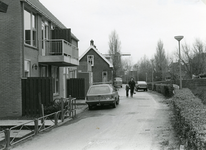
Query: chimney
{"x": 92, "y": 43}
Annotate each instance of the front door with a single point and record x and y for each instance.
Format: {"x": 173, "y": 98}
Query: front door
{"x": 104, "y": 76}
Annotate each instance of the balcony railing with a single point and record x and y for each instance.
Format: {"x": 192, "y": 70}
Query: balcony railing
{"x": 60, "y": 47}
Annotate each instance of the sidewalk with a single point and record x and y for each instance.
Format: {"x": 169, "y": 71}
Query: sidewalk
{"x": 81, "y": 106}
{"x": 24, "y": 128}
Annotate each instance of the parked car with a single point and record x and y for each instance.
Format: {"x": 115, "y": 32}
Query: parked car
{"x": 118, "y": 82}
{"x": 141, "y": 85}
{"x": 102, "y": 94}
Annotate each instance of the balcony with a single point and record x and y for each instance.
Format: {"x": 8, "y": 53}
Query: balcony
{"x": 59, "y": 52}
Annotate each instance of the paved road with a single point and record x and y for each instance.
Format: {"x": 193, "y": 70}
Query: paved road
{"x": 138, "y": 123}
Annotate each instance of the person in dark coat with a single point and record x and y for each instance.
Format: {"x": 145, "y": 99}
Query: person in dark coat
{"x": 127, "y": 90}
{"x": 132, "y": 86}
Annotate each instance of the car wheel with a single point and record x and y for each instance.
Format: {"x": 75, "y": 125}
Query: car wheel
{"x": 117, "y": 101}
{"x": 90, "y": 107}
{"x": 115, "y": 105}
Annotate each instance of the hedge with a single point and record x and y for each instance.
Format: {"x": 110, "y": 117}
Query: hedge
{"x": 165, "y": 89}
{"x": 200, "y": 93}
{"x": 190, "y": 121}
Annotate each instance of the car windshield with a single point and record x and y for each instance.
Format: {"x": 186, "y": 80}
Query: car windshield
{"x": 99, "y": 90}
{"x": 141, "y": 82}
{"x": 118, "y": 79}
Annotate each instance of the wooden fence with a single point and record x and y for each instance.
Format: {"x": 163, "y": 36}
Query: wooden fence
{"x": 36, "y": 91}
{"x": 76, "y": 88}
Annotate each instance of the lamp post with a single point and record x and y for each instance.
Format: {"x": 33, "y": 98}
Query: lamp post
{"x": 179, "y": 38}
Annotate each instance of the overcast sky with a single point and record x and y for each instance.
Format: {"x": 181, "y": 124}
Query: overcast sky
{"x": 140, "y": 24}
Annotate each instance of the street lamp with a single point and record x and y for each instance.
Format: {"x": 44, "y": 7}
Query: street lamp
{"x": 179, "y": 38}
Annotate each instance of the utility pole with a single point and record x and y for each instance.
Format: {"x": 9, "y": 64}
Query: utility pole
{"x": 109, "y": 56}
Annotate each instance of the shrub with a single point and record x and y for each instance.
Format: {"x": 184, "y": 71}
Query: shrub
{"x": 200, "y": 93}
{"x": 165, "y": 89}
{"x": 190, "y": 121}
{"x": 54, "y": 106}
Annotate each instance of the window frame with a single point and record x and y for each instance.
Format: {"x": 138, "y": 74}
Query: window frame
{"x": 44, "y": 71}
{"x": 45, "y": 35}
{"x": 90, "y": 60}
{"x": 32, "y": 27}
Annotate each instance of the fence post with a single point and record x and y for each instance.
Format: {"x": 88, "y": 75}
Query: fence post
{"x": 70, "y": 106}
{"x": 42, "y": 110}
{"x": 56, "y": 118}
{"x": 75, "y": 109}
{"x": 7, "y": 137}
{"x": 36, "y": 126}
{"x": 62, "y": 110}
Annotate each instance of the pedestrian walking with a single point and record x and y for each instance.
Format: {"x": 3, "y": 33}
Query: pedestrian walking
{"x": 127, "y": 90}
{"x": 132, "y": 86}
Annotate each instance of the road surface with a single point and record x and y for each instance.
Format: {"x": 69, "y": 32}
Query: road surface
{"x": 138, "y": 123}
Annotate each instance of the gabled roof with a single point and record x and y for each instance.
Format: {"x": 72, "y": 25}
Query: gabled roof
{"x": 92, "y": 47}
{"x": 38, "y": 6}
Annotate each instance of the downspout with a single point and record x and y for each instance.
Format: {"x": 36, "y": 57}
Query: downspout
{"x": 22, "y": 9}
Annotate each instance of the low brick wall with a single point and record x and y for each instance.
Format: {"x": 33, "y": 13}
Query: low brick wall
{"x": 191, "y": 84}
{"x": 194, "y": 83}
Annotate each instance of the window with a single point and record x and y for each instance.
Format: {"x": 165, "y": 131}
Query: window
{"x": 52, "y": 27}
{"x": 71, "y": 72}
{"x": 90, "y": 60}
{"x": 43, "y": 71}
{"x": 45, "y": 35}
{"x": 30, "y": 33}
{"x": 55, "y": 76}
{"x": 99, "y": 90}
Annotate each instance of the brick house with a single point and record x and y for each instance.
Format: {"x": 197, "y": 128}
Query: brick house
{"x": 93, "y": 61}
{"x": 33, "y": 43}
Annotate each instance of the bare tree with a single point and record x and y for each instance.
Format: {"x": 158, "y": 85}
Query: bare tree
{"x": 160, "y": 61}
{"x": 199, "y": 59}
{"x": 144, "y": 69}
{"x": 198, "y": 47}
{"x": 193, "y": 58}
{"x": 127, "y": 67}
{"x": 186, "y": 59}
{"x": 127, "y": 64}
{"x": 114, "y": 51}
